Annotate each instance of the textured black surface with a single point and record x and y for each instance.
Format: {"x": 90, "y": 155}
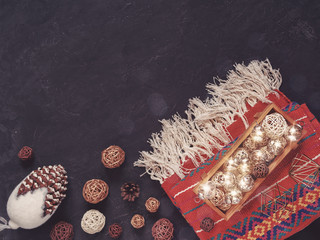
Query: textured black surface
{"x": 78, "y": 76}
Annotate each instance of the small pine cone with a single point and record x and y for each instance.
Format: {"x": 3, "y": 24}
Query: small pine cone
{"x": 25, "y": 153}
{"x": 130, "y": 191}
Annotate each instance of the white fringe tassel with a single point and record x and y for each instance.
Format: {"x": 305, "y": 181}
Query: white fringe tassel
{"x": 3, "y": 224}
{"x": 204, "y": 129}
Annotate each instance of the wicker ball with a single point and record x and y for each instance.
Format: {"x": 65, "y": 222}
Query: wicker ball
{"x": 260, "y": 170}
{"x": 245, "y": 183}
{"x": 259, "y": 136}
{"x": 152, "y": 204}
{"x": 229, "y": 180}
{"x": 225, "y": 206}
{"x": 62, "y": 231}
{"x": 241, "y": 154}
{"x": 95, "y": 190}
{"x": 258, "y": 156}
{"x": 274, "y": 125}
{"x": 115, "y": 230}
{"x": 270, "y": 155}
{"x": 231, "y": 164}
{"x": 217, "y": 197}
{"x": 207, "y": 224}
{"x": 137, "y": 221}
{"x": 234, "y": 196}
{"x": 206, "y": 191}
{"x": 250, "y": 144}
{"x": 25, "y": 153}
{"x": 218, "y": 179}
{"x": 93, "y": 221}
{"x": 112, "y": 157}
{"x": 162, "y": 229}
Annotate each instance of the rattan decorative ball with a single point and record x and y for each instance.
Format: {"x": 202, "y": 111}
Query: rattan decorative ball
{"x": 152, "y": 204}
{"x": 250, "y": 144}
{"x": 112, "y": 157}
{"x": 260, "y": 170}
{"x": 217, "y": 197}
{"x": 93, "y": 221}
{"x": 231, "y": 164}
{"x": 218, "y": 179}
{"x": 95, "y": 190}
{"x": 162, "y": 229}
{"x": 245, "y": 183}
{"x": 225, "y": 206}
{"x": 274, "y": 125}
{"x": 207, "y": 224}
{"x": 229, "y": 180}
{"x": 206, "y": 191}
{"x": 259, "y": 136}
{"x": 234, "y": 196}
{"x": 137, "y": 221}
{"x": 270, "y": 155}
{"x": 62, "y": 231}
{"x": 115, "y": 230}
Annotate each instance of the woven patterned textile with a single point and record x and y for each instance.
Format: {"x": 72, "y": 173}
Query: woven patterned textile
{"x": 250, "y": 222}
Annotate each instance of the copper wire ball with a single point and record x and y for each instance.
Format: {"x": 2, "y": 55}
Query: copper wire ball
{"x": 62, "y": 231}
{"x": 162, "y": 229}
{"x": 152, "y": 204}
{"x": 95, "y": 190}
{"x": 137, "y": 221}
{"x": 115, "y": 230}
{"x": 260, "y": 170}
{"x": 207, "y": 224}
{"x": 112, "y": 157}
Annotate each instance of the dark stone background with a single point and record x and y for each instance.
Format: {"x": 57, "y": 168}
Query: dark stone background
{"x": 78, "y": 76}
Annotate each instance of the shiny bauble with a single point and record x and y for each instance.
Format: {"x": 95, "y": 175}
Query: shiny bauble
{"x": 276, "y": 146}
{"x": 293, "y": 133}
{"x": 234, "y": 195}
{"x": 245, "y": 168}
{"x": 242, "y": 154}
{"x": 229, "y": 180}
{"x": 218, "y": 179}
{"x": 259, "y": 136}
{"x": 270, "y": 155}
{"x": 231, "y": 164}
{"x": 258, "y": 156}
{"x": 245, "y": 183}
{"x": 206, "y": 190}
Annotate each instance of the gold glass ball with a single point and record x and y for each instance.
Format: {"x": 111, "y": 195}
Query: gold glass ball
{"x": 229, "y": 180}
{"x": 259, "y": 136}
{"x": 276, "y": 146}
{"x": 293, "y": 133}
{"x": 245, "y": 168}
{"x": 231, "y": 164}
{"x": 258, "y": 156}
{"x": 245, "y": 183}
{"x": 241, "y": 154}
{"x": 270, "y": 155}
{"x": 205, "y": 191}
{"x": 218, "y": 179}
{"x": 234, "y": 196}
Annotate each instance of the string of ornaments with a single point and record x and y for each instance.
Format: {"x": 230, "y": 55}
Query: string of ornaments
{"x": 250, "y": 161}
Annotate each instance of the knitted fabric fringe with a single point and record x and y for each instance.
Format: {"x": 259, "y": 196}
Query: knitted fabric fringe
{"x": 204, "y": 128}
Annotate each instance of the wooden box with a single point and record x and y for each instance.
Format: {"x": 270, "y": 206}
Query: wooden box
{"x": 258, "y": 119}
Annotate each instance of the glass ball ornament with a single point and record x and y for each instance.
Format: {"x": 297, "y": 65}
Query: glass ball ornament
{"x": 245, "y": 168}
{"x": 218, "y": 179}
{"x": 242, "y": 154}
{"x": 231, "y": 164}
{"x": 234, "y": 195}
{"x": 245, "y": 183}
{"x": 259, "y": 136}
{"x": 229, "y": 180}
{"x": 276, "y": 146}
{"x": 205, "y": 191}
{"x": 259, "y": 156}
{"x": 293, "y": 132}
{"x": 270, "y": 155}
